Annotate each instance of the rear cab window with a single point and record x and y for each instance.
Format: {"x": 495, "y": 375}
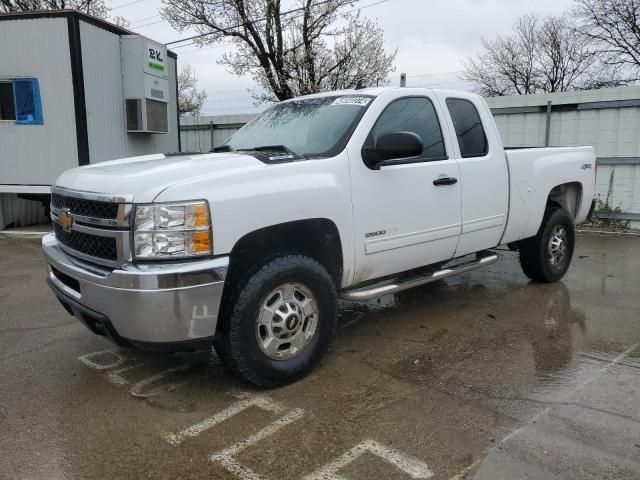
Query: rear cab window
{"x": 472, "y": 139}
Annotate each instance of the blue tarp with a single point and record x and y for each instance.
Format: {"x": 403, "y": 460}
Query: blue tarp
{"x": 26, "y": 95}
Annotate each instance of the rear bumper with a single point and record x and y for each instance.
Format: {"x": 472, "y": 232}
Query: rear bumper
{"x": 152, "y": 305}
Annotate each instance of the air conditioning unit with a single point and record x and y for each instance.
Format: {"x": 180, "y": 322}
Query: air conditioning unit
{"x": 145, "y": 80}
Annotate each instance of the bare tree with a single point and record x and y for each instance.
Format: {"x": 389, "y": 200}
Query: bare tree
{"x": 614, "y": 26}
{"x": 120, "y": 21}
{"x": 315, "y": 45}
{"x": 190, "y": 99}
{"x": 541, "y": 55}
{"x": 95, "y": 8}
{"x": 506, "y": 64}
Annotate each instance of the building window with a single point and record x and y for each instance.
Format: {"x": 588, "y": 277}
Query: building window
{"x": 7, "y": 109}
{"x": 20, "y": 101}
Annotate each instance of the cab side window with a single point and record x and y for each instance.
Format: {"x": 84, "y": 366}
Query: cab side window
{"x": 469, "y": 130}
{"x": 412, "y": 114}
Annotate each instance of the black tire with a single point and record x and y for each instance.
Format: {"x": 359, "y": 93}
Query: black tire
{"x": 535, "y": 257}
{"x": 237, "y": 343}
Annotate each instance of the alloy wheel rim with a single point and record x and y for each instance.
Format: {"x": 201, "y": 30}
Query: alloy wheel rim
{"x": 557, "y": 245}
{"x": 287, "y": 321}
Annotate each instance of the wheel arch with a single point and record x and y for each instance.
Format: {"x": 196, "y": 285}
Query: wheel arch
{"x": 317, "y": 238}
{"x": 568, "y": 196}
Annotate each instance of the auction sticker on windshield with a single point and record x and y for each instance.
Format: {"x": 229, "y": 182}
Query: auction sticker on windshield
{"x": 361, "y": 101}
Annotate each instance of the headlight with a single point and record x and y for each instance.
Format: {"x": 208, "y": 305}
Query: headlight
{"x": 172, "y": 230}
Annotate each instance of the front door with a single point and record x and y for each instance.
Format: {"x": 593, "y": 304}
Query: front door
{"x": 405, "y": 216}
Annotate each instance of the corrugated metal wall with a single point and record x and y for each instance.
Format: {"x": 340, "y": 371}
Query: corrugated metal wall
{"x": 18, "y": 212}
{"x": 608, "y": 119}
{"x": 201, "y": 134}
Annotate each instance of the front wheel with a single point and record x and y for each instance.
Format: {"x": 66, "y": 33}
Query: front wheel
{"x": 281, "y": 323}
{"x": 547, "y": 256}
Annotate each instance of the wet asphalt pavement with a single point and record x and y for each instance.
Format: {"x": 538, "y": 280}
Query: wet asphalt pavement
{"x": 481, "y": 376}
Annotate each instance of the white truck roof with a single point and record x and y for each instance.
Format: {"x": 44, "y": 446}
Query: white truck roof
{"x": 376, "y": 91}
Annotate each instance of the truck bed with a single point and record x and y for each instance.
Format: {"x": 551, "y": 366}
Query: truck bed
{"x": 533, "y": 173}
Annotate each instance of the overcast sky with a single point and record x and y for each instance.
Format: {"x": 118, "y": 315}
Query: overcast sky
{"x": 432, "y": 37}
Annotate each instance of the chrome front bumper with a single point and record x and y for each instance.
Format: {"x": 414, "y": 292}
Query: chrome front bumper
{"x": 148, "y": 303}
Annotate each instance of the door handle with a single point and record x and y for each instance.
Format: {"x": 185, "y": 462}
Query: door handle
{"x": 438, "y": 182}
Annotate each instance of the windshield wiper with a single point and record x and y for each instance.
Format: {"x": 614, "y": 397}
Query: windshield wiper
{"x": 272, "y": 148}
{"x": 223, "y": 148}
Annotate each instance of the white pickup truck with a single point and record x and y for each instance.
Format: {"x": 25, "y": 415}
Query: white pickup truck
{"x": 353, "y": 194}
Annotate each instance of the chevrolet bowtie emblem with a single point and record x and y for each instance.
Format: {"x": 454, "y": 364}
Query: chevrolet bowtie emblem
{"x": 65, "y": 220}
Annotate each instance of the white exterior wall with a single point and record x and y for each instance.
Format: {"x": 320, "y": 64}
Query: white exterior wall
{"x": 614, "y": 132}
{"x": 104, "y": 97}
{"x": 36, "y": 154}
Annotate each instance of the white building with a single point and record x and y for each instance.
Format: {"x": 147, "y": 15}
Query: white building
{"x": 76, "y": 90}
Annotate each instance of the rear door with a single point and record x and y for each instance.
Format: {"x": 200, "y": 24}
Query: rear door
{"x": 483, "y": 171}
{"x": 402, "y": 219}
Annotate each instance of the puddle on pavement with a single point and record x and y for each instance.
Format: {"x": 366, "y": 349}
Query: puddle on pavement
{"x": 490, "y": 330}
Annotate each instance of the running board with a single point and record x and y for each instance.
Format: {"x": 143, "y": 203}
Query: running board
{"x": 399, "y": 284}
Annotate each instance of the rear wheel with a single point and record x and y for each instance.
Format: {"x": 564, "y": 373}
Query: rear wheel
{"x": 547, "y": 256}
{"x": 281, "y": 322}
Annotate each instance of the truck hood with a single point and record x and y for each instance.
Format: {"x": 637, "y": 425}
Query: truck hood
{"x": 147, "y": 176}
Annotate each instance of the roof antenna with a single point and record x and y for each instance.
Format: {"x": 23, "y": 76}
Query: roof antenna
{"x": 403, "y": 79}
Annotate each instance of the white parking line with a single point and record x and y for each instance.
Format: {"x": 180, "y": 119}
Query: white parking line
{"x": 120, "y": 359}
{"x": 411, "y": 466}
{"x": 117, "y": 379}
{"x": 462, "y": 474}
{"x": 136, "y": 390}
{"x": 226, "y": 456}
{"x": 194, "y": 430}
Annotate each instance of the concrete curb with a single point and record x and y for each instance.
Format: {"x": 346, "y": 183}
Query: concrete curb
{"x": 18, "y": 234}
{"x": 608, "y": 232}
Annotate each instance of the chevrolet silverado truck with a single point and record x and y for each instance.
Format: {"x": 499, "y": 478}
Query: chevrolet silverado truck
{"x": 345, "y": 195}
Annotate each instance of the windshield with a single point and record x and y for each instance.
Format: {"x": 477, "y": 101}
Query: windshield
{"x": 309, "y": 127}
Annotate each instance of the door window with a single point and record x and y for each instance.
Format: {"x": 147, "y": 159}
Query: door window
{"x": 412, "y": 114}
{"x": 469, "y": 130}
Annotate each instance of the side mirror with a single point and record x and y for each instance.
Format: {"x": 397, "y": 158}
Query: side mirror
{"x": 393, "y": 146}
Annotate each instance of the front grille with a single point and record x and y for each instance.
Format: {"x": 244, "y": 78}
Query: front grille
{"x": 100, "y": 247}
{"x": 86, "y": 208}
